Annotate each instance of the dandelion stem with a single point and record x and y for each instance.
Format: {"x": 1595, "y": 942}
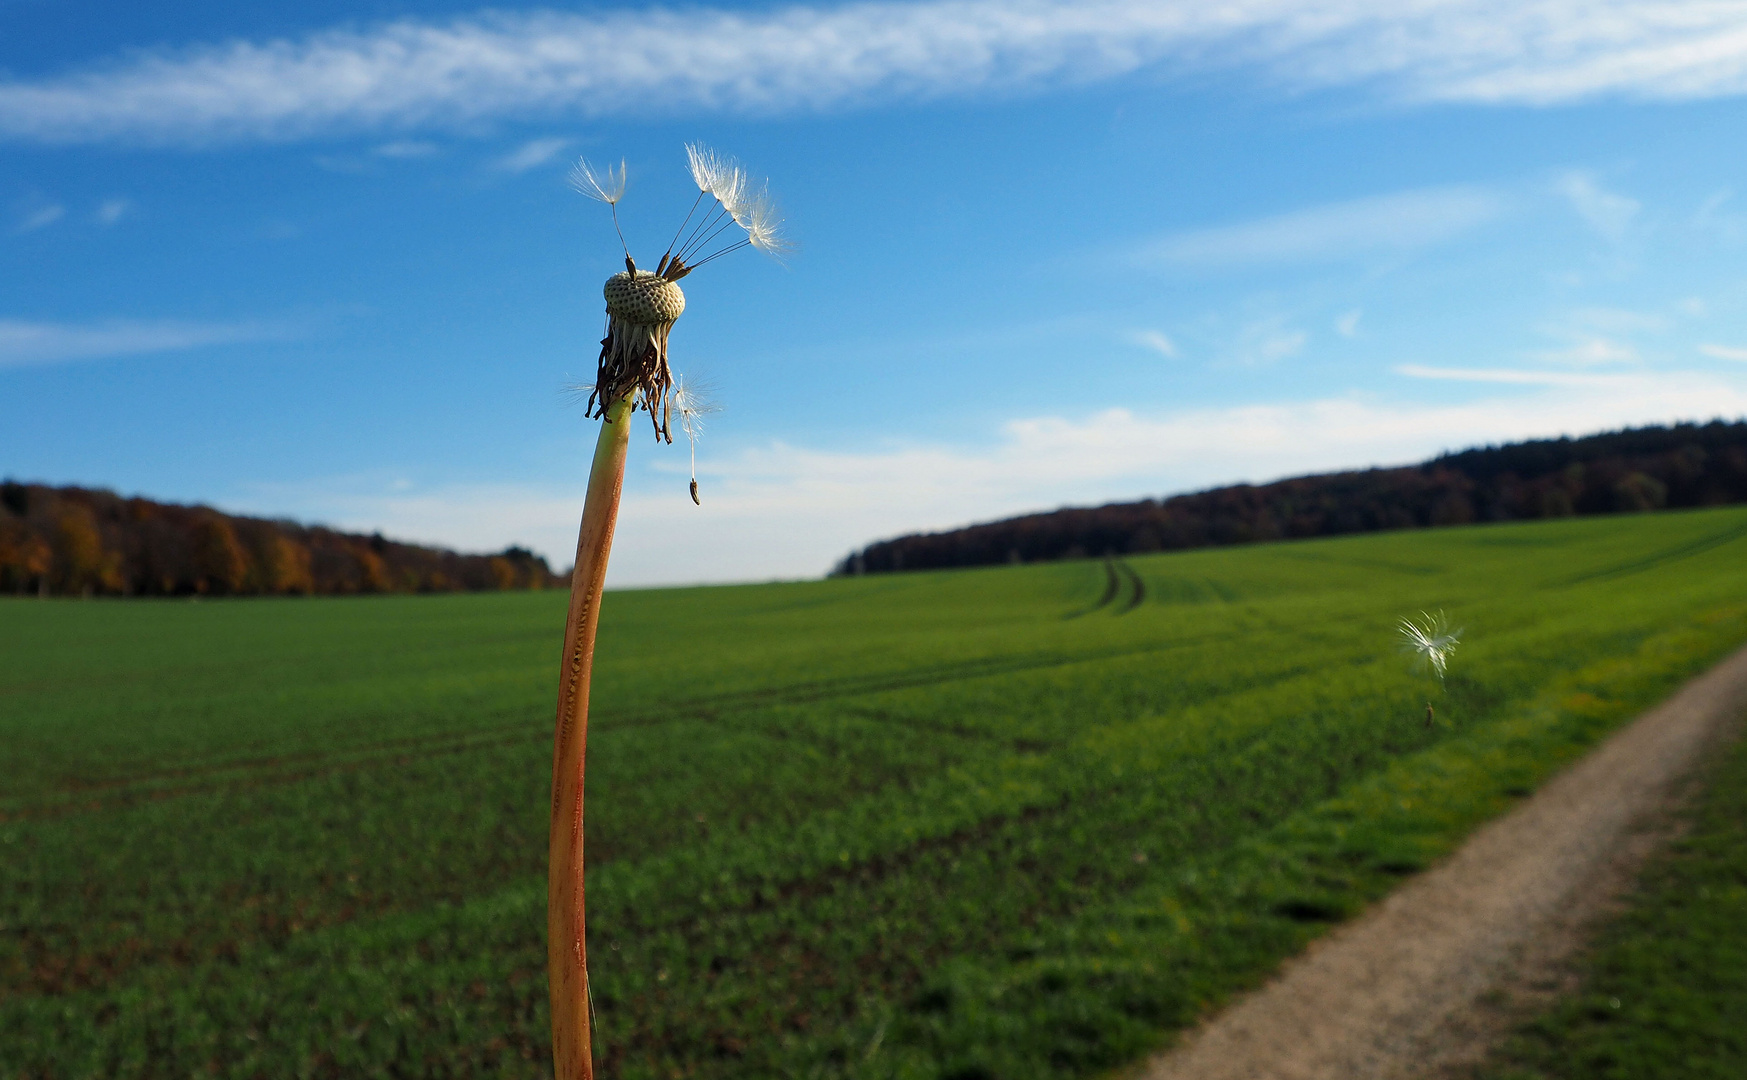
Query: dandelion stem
{"x": 566, "y": 943}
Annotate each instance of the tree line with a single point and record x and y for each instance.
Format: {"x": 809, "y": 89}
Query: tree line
{"x": 1627, "y": 471}
{"x": 72, "y": 541}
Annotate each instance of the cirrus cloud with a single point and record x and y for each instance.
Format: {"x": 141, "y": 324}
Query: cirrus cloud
{"x": 417, "y": 73}
{"x": 24, "y": 343}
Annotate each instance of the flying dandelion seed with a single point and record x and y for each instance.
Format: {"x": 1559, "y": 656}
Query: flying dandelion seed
{"x": 633, "y": 373}
{"x": 1430, "y": 641}
{"x": 693, "y": 401}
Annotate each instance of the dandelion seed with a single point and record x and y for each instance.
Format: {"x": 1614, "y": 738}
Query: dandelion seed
{"x": 693, "y": 401}
{"x": 605, "y": 188}
{"x": 733, "y": 202}
{"x": 1430, "y": 640}
{"x": 759, "y": 218}
{"x": 715, "y": 175}
{"x": 602, "y": 187}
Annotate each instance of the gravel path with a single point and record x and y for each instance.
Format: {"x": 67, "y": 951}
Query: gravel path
{"x": 1420, "y": 985}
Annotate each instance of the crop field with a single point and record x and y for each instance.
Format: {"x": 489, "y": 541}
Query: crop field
{"x": 1007, "y": 823}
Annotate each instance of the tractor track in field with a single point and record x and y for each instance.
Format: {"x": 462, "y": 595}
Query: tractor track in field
{"x": 1119, "y": 577}
{"x": 80, "y": 796}
{"x": 1424, "y": 983}
{"x": 1136, "y": 588}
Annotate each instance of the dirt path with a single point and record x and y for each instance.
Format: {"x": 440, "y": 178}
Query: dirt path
{"x": 1422, "y": 984}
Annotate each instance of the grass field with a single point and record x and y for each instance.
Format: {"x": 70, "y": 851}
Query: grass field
{"x": 1004, "y": 823}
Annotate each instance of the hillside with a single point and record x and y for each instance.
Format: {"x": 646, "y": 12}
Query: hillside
{"x": 59, "y": 541}
{"x": 1649, "y": 468}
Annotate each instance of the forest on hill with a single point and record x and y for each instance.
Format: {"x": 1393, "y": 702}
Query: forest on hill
{"x": 1628, "y": 471}
{"x": 71, "y": 541}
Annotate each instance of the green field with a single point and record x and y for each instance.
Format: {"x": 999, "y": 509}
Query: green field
{"x": 1004, "y": 823}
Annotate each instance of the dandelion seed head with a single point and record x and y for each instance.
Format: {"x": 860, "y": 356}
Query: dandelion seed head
{"x": 641, "y": 310}
{"x": 1430, "y": 640}
{"x": 642, "y": 307}
{"x": 605, "y": 186}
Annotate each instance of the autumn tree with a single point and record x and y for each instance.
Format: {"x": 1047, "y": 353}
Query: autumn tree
{"x": 219, "y": 563}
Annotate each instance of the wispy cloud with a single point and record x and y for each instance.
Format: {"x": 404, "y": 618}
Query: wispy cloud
{"x": 1514, "y": 376}
{"x": 1590, "y": 351}
{"x": 1157, "y": 341}
{"x": 406, "y": 148}
{"x": 1336, "y": 231}
{"x": 1271, "y": 347}
{"x": 23, "y": 343}
{"x": 1724, "y": 352}
{"x": 634, "y": 62}
{"x": 1714, "y": 216}
{"x": 1348, "y": 325}
{"x": 785, "y": 511}
{"x": 110, "y": 211}
{"x": 40, "y": 217}
{"x": 532, "y": 154}
{"x": 1608, "y": 213}
{"x": 1620, "y": 320}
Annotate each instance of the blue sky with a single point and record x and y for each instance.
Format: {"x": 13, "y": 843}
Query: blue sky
{"x": 320, "y": 260}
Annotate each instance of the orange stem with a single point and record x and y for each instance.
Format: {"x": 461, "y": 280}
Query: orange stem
{"x": 566, "y": 943}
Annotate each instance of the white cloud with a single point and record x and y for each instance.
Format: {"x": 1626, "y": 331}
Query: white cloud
{"x": 1156, "y": 341}
{"x": 1348, "y": 325}
{"x": 1608, "y": 213}
{"x": 1280, "y": 346}
{"x": 406, "y": 148}
{"x": 1515, "y": 376}
{"x": 1268, "y": 341}
{"x": 532, "y": 154}
{"x": 1724, "y": 352}
{"x": 23, "y": 343}
{"x": 1595, "y": 350}
{"x": 1335, "y": 231}
{"x": 1720, "y": 217}
{"x": 1618, "y": 320}
{"x": 41, "y": 217}
{"x": 783, "y": 511}
{"x": 110, "y": 211}
{"x": 641, "y": 61}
